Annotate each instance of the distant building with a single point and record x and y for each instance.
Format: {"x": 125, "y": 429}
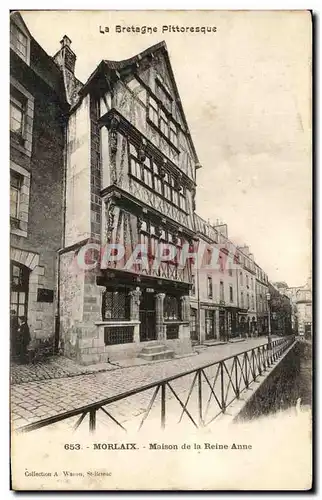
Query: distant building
{"x": 214, "y": 297}
{"x": 280, "y": 311}
{"x": 301, "y": 303}
{"x": 261, "y": 300}
{"x": 223, "y": 298}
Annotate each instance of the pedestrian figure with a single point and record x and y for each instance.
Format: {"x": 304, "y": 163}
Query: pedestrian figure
{"x": 14, "y": 324}
{"x": 23, "y": 338}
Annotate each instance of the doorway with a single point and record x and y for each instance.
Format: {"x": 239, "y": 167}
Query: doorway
{"x": 222, "y": 325}
{"x": 210, "y": 324}
{"x": 147, "y": 317}
{"x": 19, "y": 285}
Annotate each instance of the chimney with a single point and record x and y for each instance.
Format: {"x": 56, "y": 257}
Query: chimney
{"x": 65, "y": 57}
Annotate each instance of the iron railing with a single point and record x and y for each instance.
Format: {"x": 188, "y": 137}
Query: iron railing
{"x": 206, "y": 393}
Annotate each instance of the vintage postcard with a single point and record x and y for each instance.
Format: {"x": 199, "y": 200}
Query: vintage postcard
{"x": 160, "y": 250}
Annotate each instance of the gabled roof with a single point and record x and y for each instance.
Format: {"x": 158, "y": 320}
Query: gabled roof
{"x": 107, "y": 66}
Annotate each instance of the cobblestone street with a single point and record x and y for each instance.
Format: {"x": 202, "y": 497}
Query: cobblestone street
{"x": 38, "y": 400}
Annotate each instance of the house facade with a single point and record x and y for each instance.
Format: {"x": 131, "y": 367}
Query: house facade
{"x": 130, "y": 189}
{"x": 223, "y": 297}
{"x": 37, "y": 134}
{"x": 261, "y": 290}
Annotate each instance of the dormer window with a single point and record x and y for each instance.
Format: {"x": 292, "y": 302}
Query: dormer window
{"x": 19, "y": 42}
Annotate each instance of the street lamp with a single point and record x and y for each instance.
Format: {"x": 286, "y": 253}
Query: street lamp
{"x": 269, "y": 337}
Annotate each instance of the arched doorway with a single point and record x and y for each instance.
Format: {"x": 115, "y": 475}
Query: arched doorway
{"x": 19, "y": 285}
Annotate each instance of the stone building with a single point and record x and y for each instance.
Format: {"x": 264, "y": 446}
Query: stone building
{"x": 261, "y": 300}
{"x": 130, "y": 180}
{"x": 246, "y": 283}
{"x": 37, "y": 110}
{"x": 223, "y": 302}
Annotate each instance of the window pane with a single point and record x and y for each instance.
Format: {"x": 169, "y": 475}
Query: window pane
{"x": 157, "y": 185}
{"x": 18, "y": 40}
{"x": 153, "y": 115}
{"x": 133, "y": 151}
{"x": 175, "y": 197}
{"x": 182, "y": 202}
{"x": 14, "y": 198}
{"x": 16, "y": 118}
{"x": 21, "y": 310}
{"x": 164, "y": 127}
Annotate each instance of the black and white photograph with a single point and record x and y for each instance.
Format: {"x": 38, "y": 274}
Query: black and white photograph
{"x": 161, "y": 250}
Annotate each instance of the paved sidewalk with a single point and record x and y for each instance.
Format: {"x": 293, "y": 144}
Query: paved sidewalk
{"x": 35, "y": 401}
{"x": 61, "y": 367}
{"x": 52, "y": 368}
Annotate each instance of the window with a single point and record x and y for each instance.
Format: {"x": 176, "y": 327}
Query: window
{"x": 147, "y": 172}
{"x": 15, "y": 188}
{"x": 241, "y": 278}
{"x": 230, "y": 271}
{"x": 158, "y": 186}
{"x": 171, "y": 308}
{"x": 182, "y": 202}
{"x": 247, "y": 282}
{"x": 164, "y": 127}
{"x": 167, "y": 187}
{"x": 163, "y": 94}
{"x": 209, "y": 287}
{"x": 193, "y": 324}
{"x": 242, "y": 300}
{"x": 193, "y": 287}
{"x": 153, "y": 111}
{"x": 248, "y": 305}
{"x": 19, "y": 289}
{"x": 175, "y": 197}
{"x": 221, "y": 291}
{"x": 253, "y": 303}
{"x": 173, "y": 133}
{"x": 17, "y": 112}
{"x": 115, "y": 305}
{"x": 136, "y": 168}
{"x": 159, "y": 115}
{"x": 19, "y": 41}
{"x": 231, "y": 294}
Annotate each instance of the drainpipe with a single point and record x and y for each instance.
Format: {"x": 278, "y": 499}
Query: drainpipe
{"x": 237, "y": 300}
{"x": 63, "y": 224}
{"x": 198, "y": 299}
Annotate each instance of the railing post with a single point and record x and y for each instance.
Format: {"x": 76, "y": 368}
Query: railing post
{"x": 254, "y": 370}
{"x": 223, "y": 404}
{"x": 163, "y": 406}
{"x": 246, "y": 370}
{"x": 236, "y": 378}
{"x": 259, "y": 360}
{"x": 200, "y": 398}
{"x": 92, "y": 420}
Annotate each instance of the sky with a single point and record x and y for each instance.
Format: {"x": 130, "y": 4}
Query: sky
{"x": 245, "y": 89}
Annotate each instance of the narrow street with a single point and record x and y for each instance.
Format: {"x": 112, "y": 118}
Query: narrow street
{"x": 38, "y": 400}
